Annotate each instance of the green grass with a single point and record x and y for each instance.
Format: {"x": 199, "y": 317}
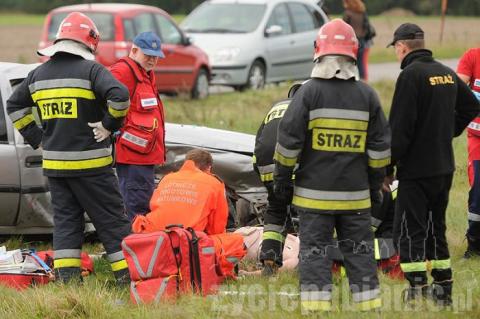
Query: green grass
{"x": 247, "y": 297}
{"x": 9, "y": 19}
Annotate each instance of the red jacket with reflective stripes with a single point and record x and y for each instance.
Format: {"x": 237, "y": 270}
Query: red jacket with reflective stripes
{"x": 145, "y": 117}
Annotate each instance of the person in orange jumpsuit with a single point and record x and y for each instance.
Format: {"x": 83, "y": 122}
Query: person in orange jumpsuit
{"x": 194, "y": 197}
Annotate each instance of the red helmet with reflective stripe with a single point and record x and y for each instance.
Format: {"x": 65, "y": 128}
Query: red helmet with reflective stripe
{"x": 336, "y": 38}
{"x": 80, "y": 28}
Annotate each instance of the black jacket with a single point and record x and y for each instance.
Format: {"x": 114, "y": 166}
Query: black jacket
{"x": 337, "y": 133}
{"x": 431, "y": 105}
{"x": 68, "y": 92}
{"x": 266, "y": 139}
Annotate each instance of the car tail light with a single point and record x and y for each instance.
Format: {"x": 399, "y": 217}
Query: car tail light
{"x": 121, "y": 49}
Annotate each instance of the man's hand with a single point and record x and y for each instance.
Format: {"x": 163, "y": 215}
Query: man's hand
{"x": 99, "y": 132}
{"x": 387, "y": 181}
{"x": 283, "y": 190}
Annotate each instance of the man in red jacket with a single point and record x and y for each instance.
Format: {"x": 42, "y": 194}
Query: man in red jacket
{"x": 468, "y": 71}
{"x": 141, "y": 143}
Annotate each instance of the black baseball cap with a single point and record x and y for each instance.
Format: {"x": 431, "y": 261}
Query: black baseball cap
{"x": 407, "y": 31}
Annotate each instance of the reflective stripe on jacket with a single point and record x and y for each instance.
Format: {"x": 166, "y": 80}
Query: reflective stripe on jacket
{"x": 336, "y": 132}
{"x": 266, "y": 139}
{"x": 68, "y": 92}
{"x": 189, "y": 197}
{"x": 146, "y": 111}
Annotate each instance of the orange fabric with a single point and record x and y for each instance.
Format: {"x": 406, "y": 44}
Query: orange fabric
{"x": 189, "y": 197}
{"x": 230, "y": 249}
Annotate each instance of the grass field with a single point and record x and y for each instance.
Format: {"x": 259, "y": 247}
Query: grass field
{"x": 247, "y": 297}
{"x": 20, "y": 35}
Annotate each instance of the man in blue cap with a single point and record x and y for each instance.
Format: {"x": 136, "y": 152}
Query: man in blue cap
{"x": 141, "y": 142}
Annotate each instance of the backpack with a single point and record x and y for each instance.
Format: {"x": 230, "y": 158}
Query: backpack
{"x": 167, "y": 263}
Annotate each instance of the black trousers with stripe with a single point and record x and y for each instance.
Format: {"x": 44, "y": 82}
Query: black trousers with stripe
{"x": 277, "y": 215}
{"x": 100, "y": 198}
{"x": 355, "y": 240}
{"x": 419, "y": 227}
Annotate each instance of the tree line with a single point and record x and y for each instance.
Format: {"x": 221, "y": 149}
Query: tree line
{"x": 421, "y": 7}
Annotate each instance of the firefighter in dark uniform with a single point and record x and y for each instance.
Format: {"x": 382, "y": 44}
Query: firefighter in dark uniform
{"x": 431, "y": 105}
{"x": 336, "y": 131}
{"x": 79, "y": 104}
{"x": 277, "y": 220}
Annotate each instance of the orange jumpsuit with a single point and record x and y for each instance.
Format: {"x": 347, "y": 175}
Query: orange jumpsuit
{"x": 189, "y": 197}
{"x": 196, "y": 199}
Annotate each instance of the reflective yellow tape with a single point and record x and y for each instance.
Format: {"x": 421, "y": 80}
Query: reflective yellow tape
{"x": 285, "y": 161}
{"x": 62, "y": 108}
{"x": 266, "y": 177}
{"x": 394, "y": 194}
{"x": 331, "y": 204}
{"x": 254, "y": 159}
{"x": 119, "y": 265}
{"x": 63, "y": 92}
{"x": 71, "y": 165}
{"x": 316, "y": 305}
{"x": 441, "y": 264}
{"x": 273, "y": 236}
{"x": 379, "y": 163}
{"x": 338, "y": 124}
{"x": 117, "y": 113}
{"x": 413, "y": 267}
{"x": 276, "y": 112}
{"x": 24, "y": 121}
{"x": 369, "y": 304}
{"x": 376, "y": 249}
{"x": 330, "y": 140}
{"x": 67, "y": 262}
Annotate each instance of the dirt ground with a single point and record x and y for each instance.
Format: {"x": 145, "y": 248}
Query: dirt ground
{"x": 19, "y": 43}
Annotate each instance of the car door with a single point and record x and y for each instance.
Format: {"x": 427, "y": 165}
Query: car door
{"x": 306, "y": 22}
{"x": 177, "y": 70}
{"x": 9, "y": 169}
{"x": 280, "y": 45}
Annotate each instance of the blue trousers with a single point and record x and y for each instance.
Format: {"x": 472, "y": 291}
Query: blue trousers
{"x": 137, "y": 183}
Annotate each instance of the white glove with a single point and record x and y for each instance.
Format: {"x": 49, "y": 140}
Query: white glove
{"x": 99, "y": 132}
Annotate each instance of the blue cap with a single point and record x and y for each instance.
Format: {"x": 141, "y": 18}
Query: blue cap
{"x": 149, "y": 43}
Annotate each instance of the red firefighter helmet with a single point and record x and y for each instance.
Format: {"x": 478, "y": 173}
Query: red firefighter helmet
{"x": 336, "y": 38}
{"x": 80, "y": 28}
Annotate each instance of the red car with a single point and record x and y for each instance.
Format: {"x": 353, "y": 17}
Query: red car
{"x": 185, "y": 67}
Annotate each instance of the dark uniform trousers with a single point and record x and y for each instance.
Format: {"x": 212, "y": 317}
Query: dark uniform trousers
{"x": 355, "y": 240}
{"x": 473, "y": 232}
{"x": 99, "y": 197}
{"x": 137, "y": 183}
{"x": 419, "y": 229}
{"x": 277, "y": 221}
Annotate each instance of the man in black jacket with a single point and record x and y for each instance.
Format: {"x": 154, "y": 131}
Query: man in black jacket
{"x": 430, "y": 107}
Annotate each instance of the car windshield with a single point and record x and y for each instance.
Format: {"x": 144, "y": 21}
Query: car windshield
{"x": 103, "y": 21}
{"x": 225, "y": 18}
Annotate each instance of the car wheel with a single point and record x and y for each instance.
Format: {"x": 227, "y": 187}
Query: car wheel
{"x": 200, "y": 89}
{"x": 256, "y": 76}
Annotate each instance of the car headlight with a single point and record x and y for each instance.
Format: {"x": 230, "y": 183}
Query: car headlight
{"x": 225, "y": 55}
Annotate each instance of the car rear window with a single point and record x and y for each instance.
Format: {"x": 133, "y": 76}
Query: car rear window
{"x": 225, "y": 18}
{"x": 103, "y": 21}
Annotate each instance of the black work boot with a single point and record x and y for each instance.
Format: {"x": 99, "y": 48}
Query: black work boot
{"x": 122, "y": 277}
{"x": 414, "y": 293}
{"x": 270, "y": 268}
{"x": 66, "y": 275}
{"x": 473, "y": 248}
{"x": 442, "y": 293}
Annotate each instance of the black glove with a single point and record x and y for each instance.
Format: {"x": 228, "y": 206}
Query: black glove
{"x": 283, "y": 190}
